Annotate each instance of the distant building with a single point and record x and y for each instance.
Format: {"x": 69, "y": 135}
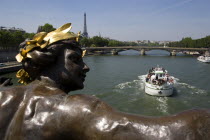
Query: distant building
{"x": 11, "y": 29}
{"x": 151, "y": 41}
{"x": 143, "y": 41}
{"x": 164, "y": 42}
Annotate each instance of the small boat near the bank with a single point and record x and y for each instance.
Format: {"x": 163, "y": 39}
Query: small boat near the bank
{"x": 204, "y": 58}
{"x": 158, "y": 82}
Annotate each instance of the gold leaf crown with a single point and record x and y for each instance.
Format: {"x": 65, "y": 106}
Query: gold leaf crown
{"x": 42, "y": 40}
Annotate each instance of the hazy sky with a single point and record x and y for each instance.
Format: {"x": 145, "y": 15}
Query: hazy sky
{"x": 124, "y": 20}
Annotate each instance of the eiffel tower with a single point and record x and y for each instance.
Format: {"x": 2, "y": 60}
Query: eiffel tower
{"x": 85, "y": 33}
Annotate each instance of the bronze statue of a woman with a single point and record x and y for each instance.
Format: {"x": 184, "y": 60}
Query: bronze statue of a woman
{"x": 42, "y": 110}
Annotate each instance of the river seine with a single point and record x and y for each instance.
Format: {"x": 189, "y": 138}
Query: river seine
{"x": 118, "y": 80}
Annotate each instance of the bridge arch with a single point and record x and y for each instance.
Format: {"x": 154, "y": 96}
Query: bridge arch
{"x": 157, "y": 51}
{"x": 120, "y": 50}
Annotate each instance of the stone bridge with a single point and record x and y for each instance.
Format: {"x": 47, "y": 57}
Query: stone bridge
{"x": 142, "y": 49}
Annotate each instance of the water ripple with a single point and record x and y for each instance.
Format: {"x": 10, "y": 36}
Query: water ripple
{"x": 189, "y": 88}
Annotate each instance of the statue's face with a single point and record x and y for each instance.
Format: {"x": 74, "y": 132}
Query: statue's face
{"x": 73, "y": 71}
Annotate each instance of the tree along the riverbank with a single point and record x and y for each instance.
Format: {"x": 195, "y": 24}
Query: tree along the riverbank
{"x": 46, "y": 28}
{"x": 13, "y": 39}
{"x": 98, "y": 41}
{"x": 188, "y": 42}
{"x": 10, "y": 39}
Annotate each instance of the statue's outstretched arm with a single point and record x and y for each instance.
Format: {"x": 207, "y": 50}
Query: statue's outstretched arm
{"x": 91, "y": 118}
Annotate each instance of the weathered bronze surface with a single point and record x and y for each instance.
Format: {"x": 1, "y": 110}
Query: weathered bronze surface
{"x": 42, "y": 110}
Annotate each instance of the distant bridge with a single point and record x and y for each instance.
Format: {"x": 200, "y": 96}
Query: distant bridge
{"x": 142, "y": 49}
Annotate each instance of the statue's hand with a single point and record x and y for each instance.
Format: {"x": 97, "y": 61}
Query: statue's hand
{"x": 5, "y": 82}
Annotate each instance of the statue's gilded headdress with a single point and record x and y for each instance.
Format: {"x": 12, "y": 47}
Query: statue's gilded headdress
{"x": 42, "y": 40}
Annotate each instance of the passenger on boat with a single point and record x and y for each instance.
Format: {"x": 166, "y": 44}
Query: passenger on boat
{"x": 153, "y": 77}
{"x": 147, "y": 79}
{"x": 156, "y": 77}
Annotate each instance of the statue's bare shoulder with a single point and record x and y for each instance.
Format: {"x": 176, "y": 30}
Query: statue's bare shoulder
{"x": 12, "y": 94}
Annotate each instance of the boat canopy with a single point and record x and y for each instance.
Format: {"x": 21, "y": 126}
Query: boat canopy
{"x": 159, "y": 72}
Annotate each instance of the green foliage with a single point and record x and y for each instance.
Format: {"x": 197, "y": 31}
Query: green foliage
{"x": 28, "y": 35}
{"x": 5, "y": 38}
{"x": 17, "y": 37}
{"x": 85, "y": 42}
{"x": 154, "y": 44}
{"x": 47, "y": 28}
{"x": 93, "y": 45}
{"x": 188, "y": 42}
{"x": 114, "y": 43}
{"x": 98, "y": 41}
{"x": 10, "y": 39}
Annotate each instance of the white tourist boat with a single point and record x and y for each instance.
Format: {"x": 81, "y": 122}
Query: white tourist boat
{"x": 158, "y": 82}
{"x": 204, "y": 58}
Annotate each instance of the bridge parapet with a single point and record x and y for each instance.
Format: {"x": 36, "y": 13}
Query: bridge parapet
{"x": 172, "y": 50}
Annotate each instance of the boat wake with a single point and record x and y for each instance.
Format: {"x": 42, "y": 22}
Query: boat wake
{"x": 125, "y": 85}
{"x": 180, "y": 87}
{"x": 162, "y": 105}
{"x": 187, "y": 88}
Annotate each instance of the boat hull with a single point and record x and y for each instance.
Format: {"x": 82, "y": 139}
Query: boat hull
{"x": 156, "y": 90}
{"x": 203, "y": 60}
